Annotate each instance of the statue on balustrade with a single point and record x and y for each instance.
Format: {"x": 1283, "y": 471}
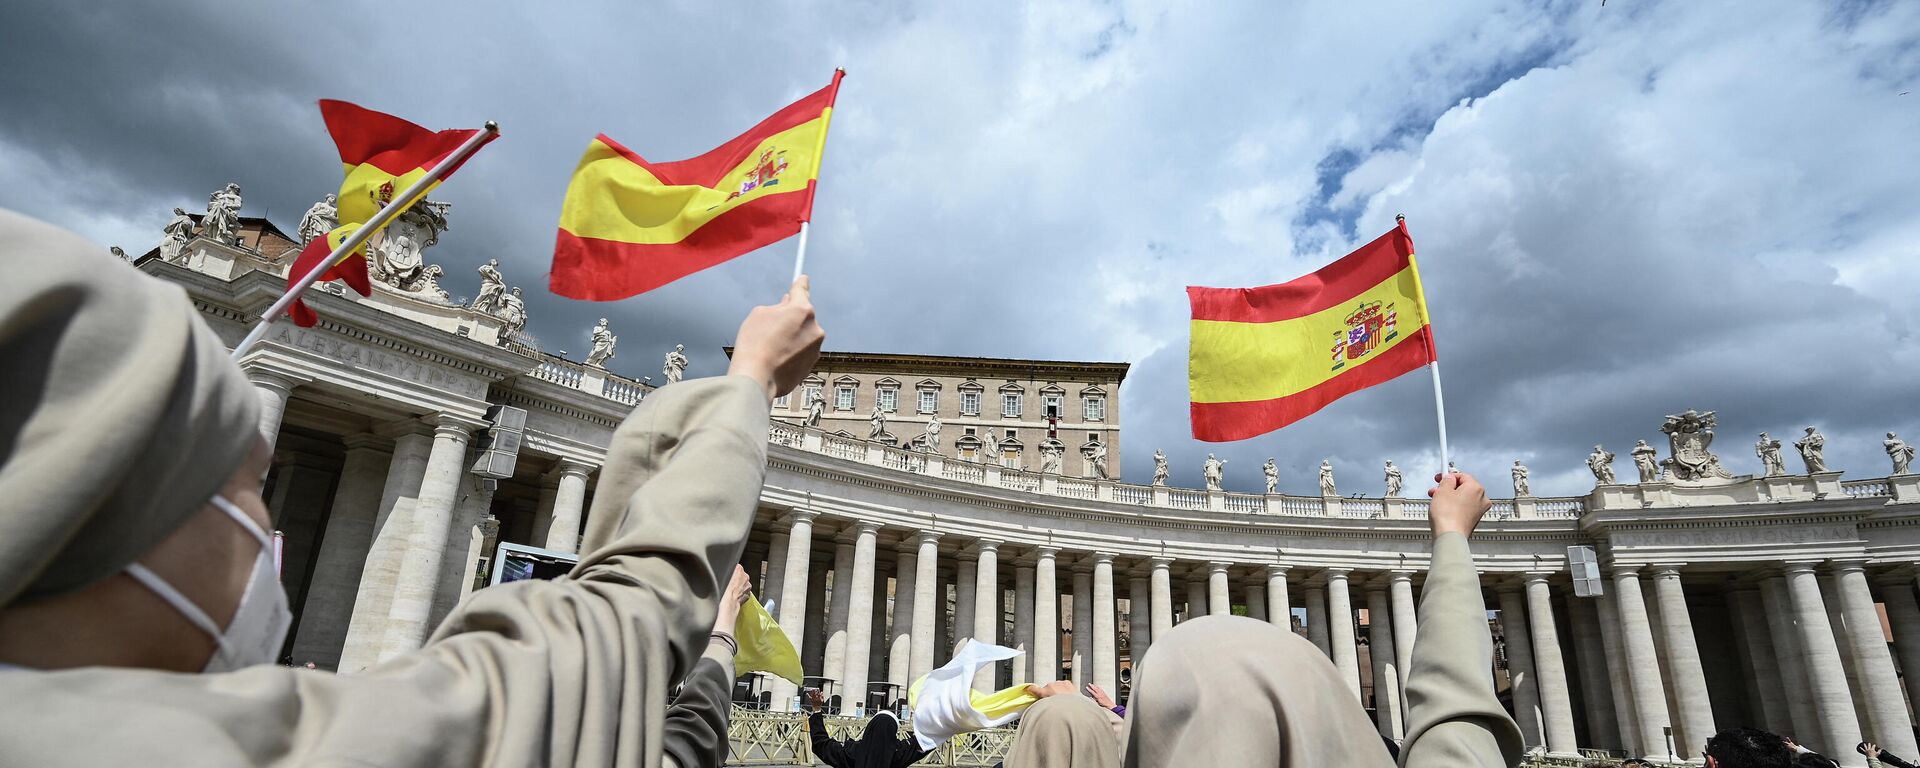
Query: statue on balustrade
{"x": 1643, "y": 460}
{"x": 1326, "y": 479}
{"x": 1768, "y": 449}
{"x": 1097, "y": 459}
{"x": 1601, "y": 462}
{"x": 603, "y": 341}
{"x": 318, "y": 220}
{"x": 222, "y": 221}
{"x": 1159, "y": 467}
{"x": 493, "y": 288}
{"x": 816, "y": 407}
{"x": 1520, "y": 485}
{"x": 1050, "y": 455}
{"x": 174, "y": 247}
{"x": 1813, "y": 450}
{"x": 1393, "y": 480}
{"x": 513, "y": 311}
{"x": 990, "y": 449}
{"x": 1901, "y": 453}
{"x": 877, "y": 423}
{"x": 1215, "y": 471}
{"x": 933, "y": 433}
{"x": 675, "y": 366}
{"x": 1689, "y": 435}
{"x": 1272, "y": 472}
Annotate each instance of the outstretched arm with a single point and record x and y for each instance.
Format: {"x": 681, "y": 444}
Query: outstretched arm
{"x": 1453, "y": 716}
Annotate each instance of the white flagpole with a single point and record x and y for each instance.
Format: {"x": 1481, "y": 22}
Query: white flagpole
{"x": 800, "y": 256}
{"x": 1433, "y": 362}
{"x": 1440, "y": 409}
{"x": 359, "y": 236}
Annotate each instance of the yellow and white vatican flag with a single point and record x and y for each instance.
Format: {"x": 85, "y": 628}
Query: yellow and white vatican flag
{"x": 945, "y": 704}
{"x": 764, "y": 646}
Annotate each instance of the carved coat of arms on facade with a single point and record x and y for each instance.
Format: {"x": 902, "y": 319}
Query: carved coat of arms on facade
{"x": 1689, "y": 435}
{"x": 1368, "y": 326}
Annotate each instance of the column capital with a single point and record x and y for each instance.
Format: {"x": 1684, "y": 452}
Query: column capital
{"x": 797, "y": 516}
{"x": 276, "y": 380}
{"x": 1045, "y": 553}
{"x": 367, "y": 441}
{"x": 1666, "y": 570}
{"x": 1160, "y": 563}
{"x": 394, "y": 430}
{"x": 1540, "y": 576}
{"x": 1276, "y": 569}
{"x": 454, "y": 426}
{"x": 982, "y": 546}
{"x": 1624, "y": 570}
{"x": 1216, "y": 566}
{"x": 865, "y": 528}
{"x": 572, "y": 467}
{"x": 1103, "y": 558}
{"x": 1397, "y": 576}
{"x": 927, "y": 537}
{"x": 1792, "y": 567}
{"x": 1845, "y": 566}
{"x": 1336, "y": 573}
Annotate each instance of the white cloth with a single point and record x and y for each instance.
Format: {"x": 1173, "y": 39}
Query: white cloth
{"x": 944, "y": 708}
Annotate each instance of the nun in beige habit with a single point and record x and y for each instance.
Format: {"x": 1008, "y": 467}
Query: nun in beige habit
{"x": 1233, "y": 691}
{"x": 132, "y": 549}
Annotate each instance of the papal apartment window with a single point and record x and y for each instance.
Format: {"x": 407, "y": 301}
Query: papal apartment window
{"x": 1050, "y": 406}
{"x": 970, "y": 403}
{"x": 929, "y": 401}
{"x": 889, "y": 400}
{"x": 1094, "y": 409}
{"x": 843, "y": 398}
{"x": 1010, "y": 405}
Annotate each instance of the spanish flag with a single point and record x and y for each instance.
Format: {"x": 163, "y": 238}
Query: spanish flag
{"x": 382, "y": 156}
{"x": 629, "y": 226}
{"x": 1263, "y": 358}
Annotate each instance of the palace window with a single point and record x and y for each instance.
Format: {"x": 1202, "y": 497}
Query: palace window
{"x": 969, "y": 403}
{"x": 1094, "y": 408}
{"x": 783, "y": 402}
{"x": 929, "y": 400}
{"x": 1050, "y": 406}
{"x": 1010, "y": 405}
{"x": 843, "y": 398}
{"x": 889, "y": 398}
{"x": 808, "y": 394}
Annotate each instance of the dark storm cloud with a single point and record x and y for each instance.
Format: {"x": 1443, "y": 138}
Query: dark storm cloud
{"x": 1620, "y": 214}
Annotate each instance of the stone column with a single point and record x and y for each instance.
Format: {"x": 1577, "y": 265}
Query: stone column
{"x": 1820, "y": 657}
{"x": 412, "y": 444}
{"x": 1788, "y": 657}
{"x": 1556, "y": 699}
{"x": 1082, "y": 626}
{"x": 459, "y": 556}
{"x": 1695, "y": 718}
{"x": 1196, "y": 599}
{"x": 1106, "y": 632}
{"x": 966, "y": 578}
{"x": 1317, "y": 620}
{"x": 1830, "y": 596}
{"x": 1219, "y": 596}
{"x": 343, "y": 551}
{"x": 987, "y": 609}
{"x": 1386, "y": 677}
{"x": 1160, "y": 584}
{"x": 1139, "y": 622}
{"x": 770, "y": 596}
{"x": 906, "y": 608}
{"x": 1023, "y": 624}
{"x": 1046, "y": 616}
{"x": 275, "y": 389}
{"x": 1279, "y": 606}
{"x": 426, "y": 540}
{"x": 1520, "y": 669}
{"x": 1591, "y": 661}
{"x": 1887, "y": 709}
{"x": 1621, "y": 685}
{"x": 1762, "y": 655}
{"x": 839, "y": 610}
{"x": 793, "y": 603}
{"x": 859, "y": 594}
{"x": 1643, "y": 661}
{"x": 1904, "y": 615}
{"x": 813, "y": 653}
{"x": 1405, "y": 626}
{"x": 928, "y": 604}
{"x": 569, "y": 501}
{"x": 1257, "y": 602}
{"x": 1346, "y": 657}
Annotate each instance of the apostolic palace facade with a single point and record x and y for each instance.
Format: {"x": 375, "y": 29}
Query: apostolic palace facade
{"x": 420, "y": 440}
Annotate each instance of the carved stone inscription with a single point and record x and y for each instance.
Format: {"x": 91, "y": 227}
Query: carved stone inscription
{"x": 386, "y": 363}
{"x": 1735, "y": 536}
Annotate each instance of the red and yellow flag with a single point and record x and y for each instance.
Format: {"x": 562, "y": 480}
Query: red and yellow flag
{"x": 382, "y": 155}
{"x": 629, "y": 226}
{"x": 1263, "y": 358}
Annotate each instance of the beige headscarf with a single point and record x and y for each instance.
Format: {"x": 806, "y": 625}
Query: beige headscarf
{"x": 120, "y": 414}
{"x": 1229, "y": 690}
{"x": 1065, "y": 732}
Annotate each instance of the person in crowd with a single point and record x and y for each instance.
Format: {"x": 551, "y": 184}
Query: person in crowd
{"x": 1635, "y": 762}
{"x": 1749, "y": 748}
{"x": 139, "y": 614}
{"x": 1230, "y": 690}
{"x": 1807, "y": 758}
{"x": 1100, "y": 697}
{"x": 1065, "y": 731}
{"x": 879, "y": 745}
{"x": 1876, "y": 755}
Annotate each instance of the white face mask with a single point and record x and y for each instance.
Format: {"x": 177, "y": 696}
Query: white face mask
{"x": 259, "y": 625}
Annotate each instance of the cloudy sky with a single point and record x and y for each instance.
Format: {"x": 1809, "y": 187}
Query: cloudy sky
{"x": 1622, "y": 211}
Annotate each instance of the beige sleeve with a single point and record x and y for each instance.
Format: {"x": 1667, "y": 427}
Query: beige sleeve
{"x": 1453, "y": 717}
